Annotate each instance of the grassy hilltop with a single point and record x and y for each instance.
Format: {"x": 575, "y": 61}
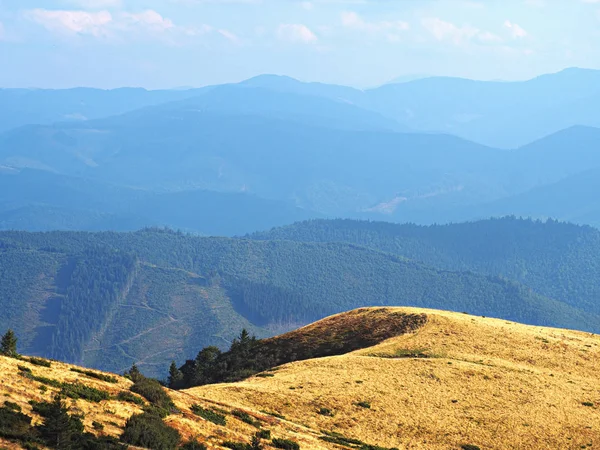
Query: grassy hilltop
{"x": 427, "y": 379}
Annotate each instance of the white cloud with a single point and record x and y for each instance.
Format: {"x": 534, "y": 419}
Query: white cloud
{"x": 352, "y": 20}
{"x": 515, "y": 30}
{"x": 459, "y": 35}
{"x": 73, "y": 22}
{"x": 447, "y": 31}
{"x": 149, "y": 20}
{"x": 95, "y": 4}
{"x": 229, "y": 36}
{"x": 147, "y": 24}
{"x": 297, "y": 33}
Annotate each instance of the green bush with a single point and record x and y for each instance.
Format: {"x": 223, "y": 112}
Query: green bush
{"x": 366, "y": 405}
{"x": 149, "y": 431}
{"x": 236, "y": 445}
{"x": 81, "y": 391}
{"x": 469, "y": 447}
{"x": 285, "y": 444}
{"x": 152, "y": 391}
{"x": 126, "y": 396}
{"x": 326, "y": 412}
{"x": 39, "y": 362}
{"x": 264, "y": 434}
{"x": 587, "y": 403}
{"x": 12, "y": 406}
{"x": 24, "y": 369}
{"x": 97, "y": 426}
{"x": 193, "y": 445}
{"x": 15, "y": 425}
{"x": 96, "y": 375}
{"x": 245, "y": 417}
{"x": 209, "y": 414}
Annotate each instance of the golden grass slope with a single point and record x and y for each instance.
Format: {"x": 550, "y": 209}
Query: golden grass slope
{"x": 486, "y": 382}
{"x": 452, "y": 380}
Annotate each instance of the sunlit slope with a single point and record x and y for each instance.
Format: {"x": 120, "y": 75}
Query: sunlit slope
{"x": 457, "y": 380}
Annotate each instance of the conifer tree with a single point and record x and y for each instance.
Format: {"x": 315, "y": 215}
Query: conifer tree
{"x": 8, "y": 346}
{"x": 175, "y": 376}
{"x": 59, "y": 429}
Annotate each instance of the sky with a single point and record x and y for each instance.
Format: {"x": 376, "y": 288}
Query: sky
{"x": 363, "y": 43}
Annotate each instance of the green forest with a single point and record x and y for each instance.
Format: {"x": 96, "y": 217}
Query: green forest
{"x": 108, "y": 300}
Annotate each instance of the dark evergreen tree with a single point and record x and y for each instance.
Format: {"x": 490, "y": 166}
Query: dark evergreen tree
{"x": 175, "y": 376}
{"x": 8, "y": 347}
{"x": 60, "y": 430}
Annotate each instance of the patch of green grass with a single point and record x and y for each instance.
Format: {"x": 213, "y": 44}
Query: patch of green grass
{"x": 402, "y": 353}
{"x": 245, "y": 417}
{"x": 98, "y": 376}
{"x": 39, "y": 361}
{"x": 325, "y": 412}
{"x": 285, "y": 444}
{"x": 210, "y": 415}
{"x": 129, "y": 397}
{"x": 236, "y": 445}
{"x": 274, "y": 414}
{"x": 83, "y": 392}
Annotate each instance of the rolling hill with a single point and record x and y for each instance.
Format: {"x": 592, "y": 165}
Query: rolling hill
{"x": 453, "y": 381}
{"x": 558, "y": 260}
{"x": 35, "y": 200}
{"x": 21, "y": 107}
{"x": 110, "y": 299}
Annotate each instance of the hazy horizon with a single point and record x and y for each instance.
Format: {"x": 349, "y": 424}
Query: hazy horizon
{"x": 114, "y": 43}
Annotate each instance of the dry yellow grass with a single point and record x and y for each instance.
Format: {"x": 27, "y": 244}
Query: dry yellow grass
{"x": 487, "y": 382}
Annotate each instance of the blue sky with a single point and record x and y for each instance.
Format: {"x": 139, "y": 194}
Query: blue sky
{"x": 171, "y": 43}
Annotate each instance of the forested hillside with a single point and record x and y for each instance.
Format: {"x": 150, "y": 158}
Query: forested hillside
{"x": 152, "y": 296}
{"x": 558, "y": 260}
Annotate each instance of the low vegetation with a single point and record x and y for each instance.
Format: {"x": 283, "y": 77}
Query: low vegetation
{"x": 148, "y": 430}
{"x": 210, "y": 415}
{"x": 96, "y": 375}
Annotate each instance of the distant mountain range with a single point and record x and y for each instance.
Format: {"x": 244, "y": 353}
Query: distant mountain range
{"x": 497, "y": 114}
{"x": 271, "y": 150}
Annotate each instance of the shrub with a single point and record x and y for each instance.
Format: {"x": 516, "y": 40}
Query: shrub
{"x": 326, "y": 412}
{"x": 98, "y": 376}
{"x": 210, "y": 415}
{"x": 366, "y": 405}
{"x": 81, "y": 391}
{"x": 152, "y": 391}
{"x": 587, "y": 403}
{"x": 12, "y": 406}
{"x": 340, "y": 439}
{"x": 97, "y": 426}
{"x": 14, "y": 424}
{"x": 285, "y": 444}
{"x": 264, "y": 434}
{"x": 236, "y": 445}
{"x": 245, "y": 417}
{"x": 24, "y": 369}
{"x": 126, "y": 396}
{"x": 469, "y": 447}
{"x": 39, "y": 362}
{"x": 149, "y": 431}
{"x": 193, "y": 445}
